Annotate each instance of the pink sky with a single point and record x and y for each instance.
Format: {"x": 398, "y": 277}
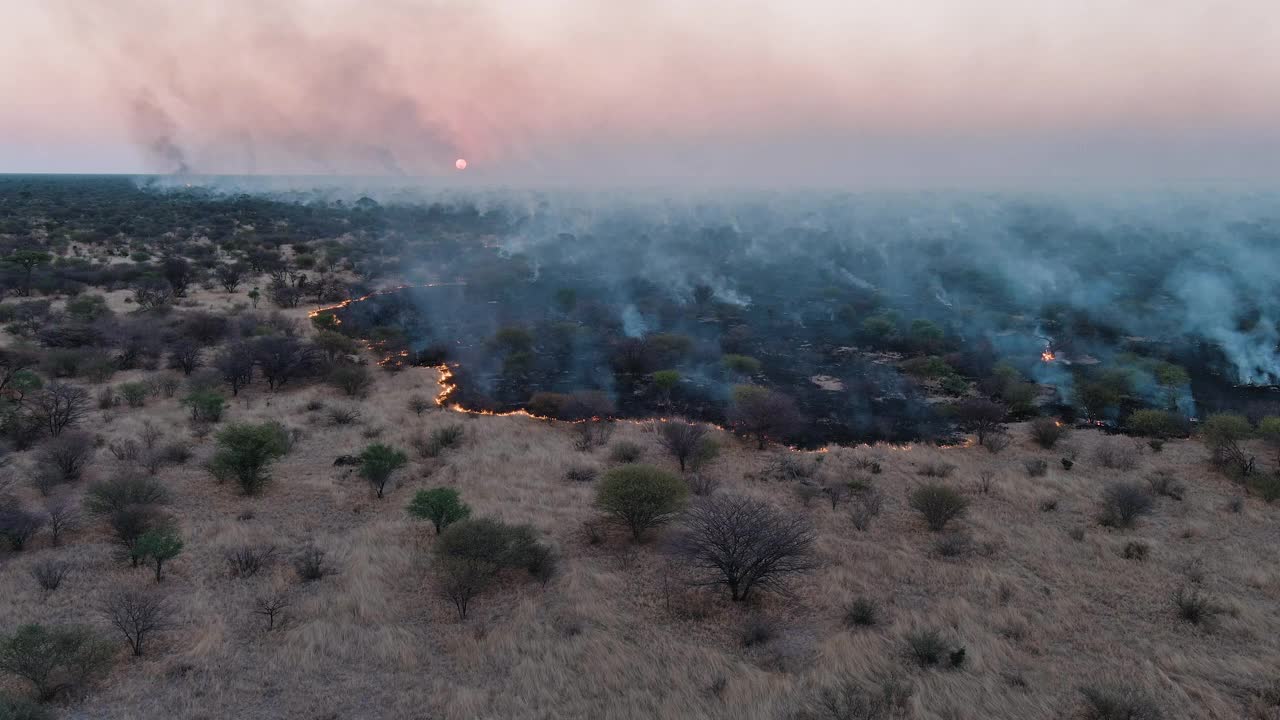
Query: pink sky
{"x": 818, "y": 92}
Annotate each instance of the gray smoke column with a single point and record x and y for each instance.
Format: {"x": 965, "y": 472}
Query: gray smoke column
{"x": 157, "y": 135}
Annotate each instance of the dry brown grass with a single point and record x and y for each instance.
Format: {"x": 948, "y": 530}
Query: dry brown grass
{"x": 616, "y": 634}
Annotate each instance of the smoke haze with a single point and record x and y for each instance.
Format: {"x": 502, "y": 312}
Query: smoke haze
{"x": 764, "y": 94}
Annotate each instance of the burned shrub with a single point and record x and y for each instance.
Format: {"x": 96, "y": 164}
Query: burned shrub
{"x": 953, "y": 544}
{"x": 1123, "y": 503}
{"x": 743, "y": 544}
{"x": 938, "y": 504}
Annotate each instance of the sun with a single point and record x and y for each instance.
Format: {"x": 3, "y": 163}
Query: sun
{"x": 460, "y": 163}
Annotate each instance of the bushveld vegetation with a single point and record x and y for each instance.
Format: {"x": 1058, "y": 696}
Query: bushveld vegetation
{"x": 209, "y": 498}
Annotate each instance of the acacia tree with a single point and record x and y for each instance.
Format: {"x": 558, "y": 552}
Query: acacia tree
{"x": 27, "y": 261}
{"x": 763, "y": 413}
{"x": 743, "y": 544}
{"x": 229, "y": 275}
{"x": 281, "y": 358}
{"x": 59, "y": 406}
{"x": 54, "y": 659}
{"x": 441, "y": 506}
{"x": 641, "y": 497}
{"x": 136, "y": 614}
{"x": 683, "y": 440}
{"x": 983, "y": 417}
{"x": 470, "y": 555}
{"x": 378, "y": 463}
{"x": 235, "y": 365}
{"x": 245, "y": 453}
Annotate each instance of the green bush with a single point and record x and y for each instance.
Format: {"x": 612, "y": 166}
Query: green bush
{"x": 206, "y": 405}
{"x": 442, "y": 506}
{"x": 472, "y": 553}
{"x": 378, "y": 463}
{"x": 245, "y": 453}
{"x": 939, "y": 504}
{"x": 158, "y": 546}
{"x": 134, "y": 393}
{"x": 641, "y": 497}
{"x": 55, "y": 659}
{"x": 1158, "y": 424}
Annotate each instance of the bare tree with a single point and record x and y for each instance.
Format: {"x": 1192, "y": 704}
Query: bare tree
{"x": 186, "y": 354}
{"x": 682, "y": 440}
{"x": 270, "y": 606}
{"x": 59, "y": 406}
{"x": 281, "y": 358}
{"x": 235, "y": 365}
{"x": 743, "y": 544}
{"x": 229, "y": 276}
{"x": 67, "y": 455}
{"x": 983, "y": 417}
{"x": 136, "y": 614}
{"x": 63, "y": 517}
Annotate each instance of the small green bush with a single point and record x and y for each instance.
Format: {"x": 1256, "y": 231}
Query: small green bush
{"x": 245, "y": 453}
{"x": 206, "y": 405}
{"x": 641, "y": 497}
{"x": 378, "y": 463}
{"x": 442, "y": 506}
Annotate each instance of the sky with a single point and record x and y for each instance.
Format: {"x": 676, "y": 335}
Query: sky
{"x": 706, "y": 92}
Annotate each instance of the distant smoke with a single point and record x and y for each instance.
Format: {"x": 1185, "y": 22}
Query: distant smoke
{"x": 156, "y": 134}
{"x": 703, "y": 93}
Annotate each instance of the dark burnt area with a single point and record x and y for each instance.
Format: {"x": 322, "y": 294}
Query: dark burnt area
{"x": 457, "y": 325}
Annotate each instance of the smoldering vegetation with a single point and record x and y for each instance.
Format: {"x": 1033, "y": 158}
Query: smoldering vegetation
{"x": 868, "y": 310}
